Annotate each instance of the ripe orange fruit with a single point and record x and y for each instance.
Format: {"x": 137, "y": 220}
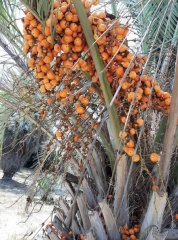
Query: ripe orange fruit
{"x": 50, "y": 75}
{"x": 63, "y": 93}
{"x": 63, "y": 8}
{"x": 29, "y": 16}
{"x": 65, "y": 48}
{"x": 59, "y": 15}
{"x": 91, "y": 89}
{"x": 63, "y": 24}
{"x": 155, "y": 188}
{"x": 139, "y": 122}
{"x": 68, "y": 16}
{"x": 124, "y": 237}
{"x": 123, "y": 119}
{"x": 147, "y": 91}
{"x": 138, "y": 96}
{"x": 48, "y": 86}
{"x": 130, "y": 96}
{"x": 157, "y": 88}
{"x": 33, "y": 23}
{"x": 43, "y": 89}
{"x": 167, "y": 101}
{"x": 136, "y": 229}
{"x": 59, "y": 134}
{"x": 35, "y": 32}
{"x": 130, "y": 144}
{"x": 104, "y": 56}
{"x": 102, "y": 28}
{"x": 57, "y": 48}
{"x": 132, "y": 131}
{"x": 73, "y": 27}
{"x": 154, "y": 157}
{"x": 80, "y": 110}
{"x": 49, "y": 101}
{"x": 45, "y": 67}
{"x": 130, "y": 151}
{"x": 136, "y": 158}
{"x": 67, "y": 39}
{"x": 85, "y": 101}
{"x": 31, "y": 62}
{"x": 133, "y": 237}
{"x": 132, "y": 74}
{"x": 144, "y": 78}
{"x": 122, "y": 135}
{"x": 48, "y": 59}
{"x": 58, "y": 28}
{"x": 78, "y": 41}
{"x": 119, "y": 71}
{"x": 68, "y": 32}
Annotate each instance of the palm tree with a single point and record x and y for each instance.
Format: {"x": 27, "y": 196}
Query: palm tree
{"x": 107, "y": 188}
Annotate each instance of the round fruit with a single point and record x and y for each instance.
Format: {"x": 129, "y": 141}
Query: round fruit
{"x": 59, "y": 134}
{"x": 154, "y": 157}
{"x": 136, "y": 158}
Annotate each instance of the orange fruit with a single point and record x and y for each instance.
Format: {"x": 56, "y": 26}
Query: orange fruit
{"x": 130, "y": 144}
{"x": 50, "y": 75}
{"x": 129, "y": 150}
{"x": 155, "y": 188}
{"x": 154, "y": 157}
{"x": 167, "y": 101}
{"x": 130, "y": 96}
{"x": 147, "y": 91}
{"x": 139, "y": 122}
{"x": 136, "y": 158}
{"x": 78, "y": 41}
{"x": 29, "y": 16}
{"x": 132, "y": 74}
{"x": 49, "y": 101}
{"x": 43, "y": 89}
{"x": 119, "y": 71}
{"x": 132, "y": 131}
{"x": 57, "y": 48}
{"x": 59, "y": 134}
{"x": 65, "y": 48}
{"x": 80, "y": 110}
{"x": 35, "y": 32}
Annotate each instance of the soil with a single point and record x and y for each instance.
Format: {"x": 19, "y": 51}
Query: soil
{"x": 15, "y": 222}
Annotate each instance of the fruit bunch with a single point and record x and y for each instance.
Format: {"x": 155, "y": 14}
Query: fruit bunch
{"x": 59, "y": 56}
{"x": 60, "y": 234}
{"x": 130, "y": 233}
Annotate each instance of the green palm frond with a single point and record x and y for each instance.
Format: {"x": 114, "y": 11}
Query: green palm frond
{"x": 143, "y": 14}
{"x": 39, "y": 8}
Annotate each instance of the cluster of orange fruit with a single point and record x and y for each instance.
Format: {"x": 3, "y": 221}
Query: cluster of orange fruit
{"x": 56, "y": 65}
{"x": 126, "y": 232}
{"x": 130, "y": 233}
{"x": 61, "y": 234}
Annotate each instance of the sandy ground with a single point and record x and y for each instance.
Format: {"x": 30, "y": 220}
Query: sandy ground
{"x": 14, "y": 221}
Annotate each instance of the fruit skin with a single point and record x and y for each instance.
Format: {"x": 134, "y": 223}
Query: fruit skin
{"x": 154, "y": 157}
